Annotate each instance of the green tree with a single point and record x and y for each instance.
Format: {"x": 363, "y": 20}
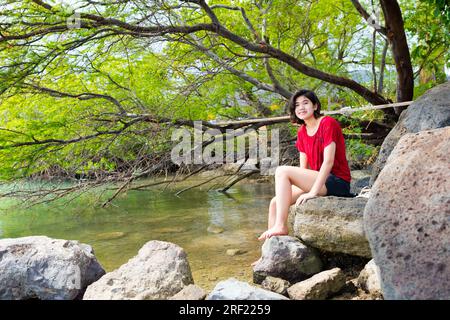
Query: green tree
{"x": 96, "y": 88}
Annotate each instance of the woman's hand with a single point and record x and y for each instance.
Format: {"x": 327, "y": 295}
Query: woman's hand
{"x": 304, "y": 197}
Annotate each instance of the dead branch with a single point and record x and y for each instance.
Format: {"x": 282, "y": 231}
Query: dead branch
{"x": 200, "y": 184}
{"x": 248, "y": 174}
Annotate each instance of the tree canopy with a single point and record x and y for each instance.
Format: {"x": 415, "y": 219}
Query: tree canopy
{"x": 97, "y": 85}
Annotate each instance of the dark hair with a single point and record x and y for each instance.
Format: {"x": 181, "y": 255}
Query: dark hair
{"x": 308, "y": 94}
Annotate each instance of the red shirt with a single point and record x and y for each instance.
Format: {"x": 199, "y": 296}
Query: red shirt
{"x": 329, "y": 130}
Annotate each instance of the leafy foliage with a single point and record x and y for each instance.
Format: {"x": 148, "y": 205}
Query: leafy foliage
{"x": 83, "y": 88}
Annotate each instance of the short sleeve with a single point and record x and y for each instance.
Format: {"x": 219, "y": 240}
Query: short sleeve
{"x": 331, "y": 132}
{"x": 299, "y": 142}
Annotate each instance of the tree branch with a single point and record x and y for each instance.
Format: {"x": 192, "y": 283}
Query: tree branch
{"x": 276, "y": 84}
{"x": 400, "y": 51}
{"x": 382, "y": 66}
{"x": 239, "y": 178}
{"x": 80, "y": 96}
{"x": 220, "y": 30}
{"x": 258, "y": 84}
{"x": 244, "y": 16}
{"x": 367, "y": 17}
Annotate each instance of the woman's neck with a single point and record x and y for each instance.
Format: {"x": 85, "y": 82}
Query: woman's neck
{"x": 312, "y": 122}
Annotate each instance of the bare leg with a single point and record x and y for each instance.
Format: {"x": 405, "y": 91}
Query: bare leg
{"x": 285, "y": 178}
{"x": 296, "y": 192}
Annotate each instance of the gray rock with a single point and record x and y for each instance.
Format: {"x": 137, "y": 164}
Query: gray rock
{"x": 215, "y": 229}
{"x": 233, "y": 289}
{"x": 430, "y": 111}
{"x": 159, "y": 271}
{"x": 319, "y": 286}
{"x": 276, "y": 285}
{"x": 369, "y": 279}
{"x": 234, "y": 252}
{"x": 287, "y": 258}
{"x": 191, "y": 292}
{"x": 332, "y": 224}
{"x": 360, "y": 179}
{"x": 44, "y": 268}
{"x": 110, "y": 235}
{"x": 407, "y": 218}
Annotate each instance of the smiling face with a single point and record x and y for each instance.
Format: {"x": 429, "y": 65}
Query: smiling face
{"x": 304, "y": 108}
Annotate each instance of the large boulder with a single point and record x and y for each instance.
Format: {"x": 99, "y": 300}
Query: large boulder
{"x": 159, "y": 271}
{"x": 287, "y": 258}
{"x": 407, "y": 218}
{"x": 430, "y": 111}
{"x": 39, "y": 267}
{"x": 332, "y": 224}
{"x": 233, "y": 289}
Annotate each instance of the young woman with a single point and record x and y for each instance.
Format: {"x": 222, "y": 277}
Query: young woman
{"x": 323, "y": 166}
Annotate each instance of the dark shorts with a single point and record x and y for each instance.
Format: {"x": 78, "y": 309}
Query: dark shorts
{"x": 337, "y": 187}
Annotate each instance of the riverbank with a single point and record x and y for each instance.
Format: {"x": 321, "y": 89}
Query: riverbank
{"x": 118, "y": 231}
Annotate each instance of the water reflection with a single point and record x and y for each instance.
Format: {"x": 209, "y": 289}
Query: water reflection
{"x": 118, "y": 232}
{"x": 215, "y": 210}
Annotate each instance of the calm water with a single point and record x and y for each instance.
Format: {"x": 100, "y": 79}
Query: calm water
{"x": 117, "y": 233}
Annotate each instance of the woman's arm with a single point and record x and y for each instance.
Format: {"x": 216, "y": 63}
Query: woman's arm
{"x": 324, "y": 171}
{"x": 303, "y": 160}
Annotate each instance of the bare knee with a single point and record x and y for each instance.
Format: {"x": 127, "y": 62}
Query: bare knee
{"x": 286, "y": 172}
{"x": 281, "y": 171}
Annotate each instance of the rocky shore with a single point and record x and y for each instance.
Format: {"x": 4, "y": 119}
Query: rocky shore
{"x": 39, "y": 267}
{"x": 392, "y": 244}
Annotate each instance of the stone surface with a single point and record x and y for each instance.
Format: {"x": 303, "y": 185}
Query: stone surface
{"x": 369, "y": 279}
{"x": 360, "y": 179}
{"x": 430, "y": 111}
{"x": 407, "y": 218}
{"x": 159, "y": 271}
{"x": 319, "y": 286}
{"x": 287, "y": 258}
{"x": 110, "y": 235}
{"x": 215, "y": 229}
{"x": 44, "y": 268}
{"x": 332, "y": 224}
{"x": 234, "y": 252}
{"x": 276, "y": 285}
{"x": 233, "y": 289}
{"x": 191, "y": 292}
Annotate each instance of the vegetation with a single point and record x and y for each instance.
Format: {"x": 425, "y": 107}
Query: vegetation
{"x": 93, "y": 89}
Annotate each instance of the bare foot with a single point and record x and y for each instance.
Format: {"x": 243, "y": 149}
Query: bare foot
{"x": 274, "y": 231}
{"x": 256, "y": 262}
